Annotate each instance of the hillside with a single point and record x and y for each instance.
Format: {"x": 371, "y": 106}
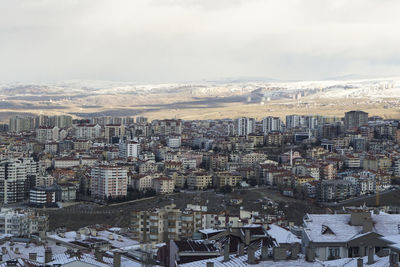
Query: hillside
{"x": 201, "y": 100}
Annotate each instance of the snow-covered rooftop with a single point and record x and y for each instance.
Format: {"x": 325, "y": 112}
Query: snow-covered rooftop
{"x": 116, "y": 240}
{"x": 210, "y": 231}
{"x": 395, "y": 239}
{"x": 282, "y": 235}
{"x": 22, "y": 250}
{"x": 340, "y": 229}
{"x": 242, "y": 261}
{"x": 90, "y": 258}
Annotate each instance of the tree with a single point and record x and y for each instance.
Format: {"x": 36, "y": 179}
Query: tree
{"x": 150, "y": 192}
{"x": 226, "y": 189}
{"x": 252, "y": 182}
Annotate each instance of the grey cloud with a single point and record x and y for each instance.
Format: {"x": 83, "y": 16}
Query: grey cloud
{"x": 186, "y": 40}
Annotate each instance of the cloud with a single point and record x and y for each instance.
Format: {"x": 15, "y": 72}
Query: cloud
{"x": 190, "y": 40}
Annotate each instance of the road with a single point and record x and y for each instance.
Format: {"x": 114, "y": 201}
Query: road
{"x": 356, "y": 199}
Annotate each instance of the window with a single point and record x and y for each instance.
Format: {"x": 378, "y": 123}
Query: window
{"x": 334, "y": 252}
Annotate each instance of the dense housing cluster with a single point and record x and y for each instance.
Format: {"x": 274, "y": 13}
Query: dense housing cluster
{"x": 52, "y": 161}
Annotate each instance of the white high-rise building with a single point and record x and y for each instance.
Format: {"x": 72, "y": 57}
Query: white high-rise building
{"x": 109, "y": 181}
{"x": 301, "y": 121}
{"x": 21, "y": 124}
{"x": 62, "y": 121}
{"x": 244, "y": 126}
{"x": 129, "y": 149}
{"x": 13, "y": 178}
{"x": 293, "y": 121}
{"x": 271, "y": 124}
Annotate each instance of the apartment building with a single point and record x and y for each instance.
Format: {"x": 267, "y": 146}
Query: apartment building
{"x": 65, "y": 162}
{"x": 328, "y": 171}
{"x": 355, "y": 118}
{"x": 158, "y": 225}
{"x": 252, "y": 158}
{"x": 163, "y": 185}
{"x": 180, "y": 179}
{"x": 129, "y": 149}
{"x": 218, "y": 161}
{"x": 227, "y": 178}
{"x": 336, "y": 190}
{"x": 21, "y": 124}
{"x": 166, "y": 223}
{"x": 13, "y": 179}
{"x": 257, "y": 140}
{"x": 174, "y": 141}
{"x": 22, "y": 222}
{"x": 376, "y": 162}
{"x": 199, "y": 180}
{"x": 113, "y": 132}
{"x": 271, "y": 124}
{"x": 352, "y": 161}
{"x": 47, "y": 133}
{"x": 244, "y": 126}
{"x": 108, "y": 181}
{"x": 274, "y": 139}
{"x": 88, "y": 131}
{"x": 167, "y": 127}
{"x": 141, "y": 182}
{"x": 147, "y": 167}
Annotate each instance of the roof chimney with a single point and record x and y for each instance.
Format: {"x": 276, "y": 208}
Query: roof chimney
{"x": 367, "y": 226}
{"x": 264, "y": 251}
{"x": 226, "y": 251}
{"x": 247, "y": 237}
{"x": 393, "y": 258}
{"x": 98, "y": 255}
{"x": 33, "y": 256}
{"x": 48, "y": 255}
{"x": 371, "y": 253}
{"x": 360, "y": 262}
{"x": 240, "y": 251}
{"x": 251, "y": 255}
{"x": 357, "y": 218}
{"x": 117, "y": 259}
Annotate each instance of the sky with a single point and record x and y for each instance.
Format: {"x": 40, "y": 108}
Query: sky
{"x": 197, "y": 40}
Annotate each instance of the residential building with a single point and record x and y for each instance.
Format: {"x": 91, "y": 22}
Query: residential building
{"x": 141, "y": 182}
{"x": 114, "y": 132}
{"x": 163, "y": 185}
{"x": 227, "y": 178}
{"x": 355, "y": 119}
{"x": 13, "y": 179}
{"x": 88, "y": 131}
{"x": 244, "y": 126}
{"x": 271, "y": 124}
{"x": 129, "y": 149}
{"x": 335, "y": 236}
{"x": 108, "y": 181}
{"x": 199, "y": 180}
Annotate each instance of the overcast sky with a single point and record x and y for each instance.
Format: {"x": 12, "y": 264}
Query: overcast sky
{"x": 194, "y": 40}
